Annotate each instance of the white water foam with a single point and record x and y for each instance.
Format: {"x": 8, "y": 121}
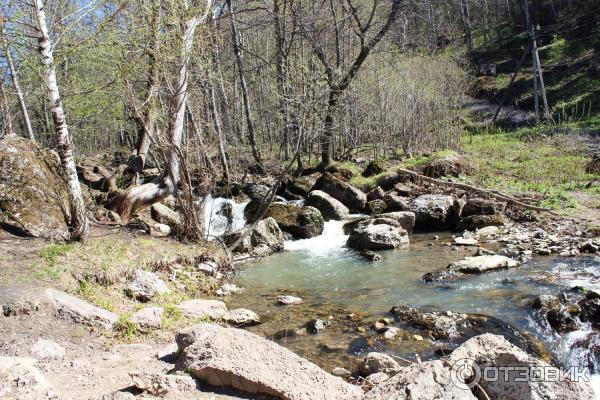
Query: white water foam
{"x": 327, "y": 244}
{"x": 216, "y": 222}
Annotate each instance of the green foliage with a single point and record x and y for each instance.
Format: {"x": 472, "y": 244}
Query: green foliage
{"x": 50, "y": 254}
{"x": 558, "y": 49}
{"x": 125, "y": 326}
{"x": 528, "y": 161}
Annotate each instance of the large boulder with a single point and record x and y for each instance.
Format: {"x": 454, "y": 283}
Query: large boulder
{"x": 435, "y": 212}
{"x": 420, "y": 381}
{"x": 258, "y": 196}
{"x": 265, "y": 239}
{"x": 377, "y": 234}
{"x": 303, "y": 184}
{"x": 330, "y": 208}
{"x": 375, "y": 167}
{"x": 300, "y": 222}
{"x": 396, "y": 203}
{"x": 479, "y": 206}
{"x": 495, "y": 351}
{"x": 79, "y": 311}
{"x": 406, "y": 219}
{"x": 471, "y": 266}
{"x": 33, "y": 194}
{"x": 229, "y": 357}
{"x": 351, "y": 197}
{"x": 448, "y": 166}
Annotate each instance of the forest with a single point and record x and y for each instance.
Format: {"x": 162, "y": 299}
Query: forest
{"x": 355, "y": 195}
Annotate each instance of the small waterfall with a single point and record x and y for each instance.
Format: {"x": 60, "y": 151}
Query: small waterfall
{"x": 222, "y": 216}
{"x": 329, "y": 243}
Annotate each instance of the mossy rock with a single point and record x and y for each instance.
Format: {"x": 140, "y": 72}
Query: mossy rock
{"x": 374, "y": 168}
{"x": 33, "y": 194}
{"x": 300, "y": 222}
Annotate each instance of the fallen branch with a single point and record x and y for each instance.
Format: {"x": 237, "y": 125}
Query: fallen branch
{"x": 464, "y": 186}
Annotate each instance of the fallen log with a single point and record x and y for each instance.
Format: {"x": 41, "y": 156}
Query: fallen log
{"x": 471, "y": 188}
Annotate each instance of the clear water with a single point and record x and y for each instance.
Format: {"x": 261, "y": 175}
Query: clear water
{"x": 334, "y": 281}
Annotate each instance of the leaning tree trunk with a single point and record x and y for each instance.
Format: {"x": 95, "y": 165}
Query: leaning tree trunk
{"x": 136, "y": 197}
{"x": 148, "y": 129}
{"x": 78, "y": 221}
{"x": 19, "y": 92}
{"x": 7, "y": 129}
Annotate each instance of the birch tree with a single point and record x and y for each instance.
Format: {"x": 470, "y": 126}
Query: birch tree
{"x": 78, "y": 221}
{"x": 139, "y": 196}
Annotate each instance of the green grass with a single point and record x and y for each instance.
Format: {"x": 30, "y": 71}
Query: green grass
{"x": 125, "y": 326}
{"x": 50, "y": 268}
{"x": 528, "y": 161}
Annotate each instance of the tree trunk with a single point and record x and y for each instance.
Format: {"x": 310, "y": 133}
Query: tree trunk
{"x": 244, "y": 86}
{"x": 148, "y": 128}
{"x": 7, "y": 129}
{"x": 78, "y": 221}
{"x": 136, "y": 197}
{"x": 15, "y": 80}
{"x": 466, "y": 20}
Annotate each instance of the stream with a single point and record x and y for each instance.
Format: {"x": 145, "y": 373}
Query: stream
{"x": 350, "y": 293}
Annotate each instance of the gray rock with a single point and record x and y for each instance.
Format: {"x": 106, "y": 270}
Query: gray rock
{"x": 20, "y": 379}
{"x": 547, "y": 301}
{"x": 79, "y": 311}
{"x": 341, "y": 372}
{"x": 427, "y": 381}
{"x": 406, "y": 219}
{"x": 241, "y": 317}
{"x": 378, "y": 362}
{"x": 160, "y": 230}
{"x": 265, "y": 239}
{"x": 474, "y": 222}
{"x": 377, "y": 378}
{"x": 371, "y": 256}
{"x": 118, "y": 396}
{"x": 45, "y": 349}
{"x": 461, "y": 241}
{"x": 376, "y": 194}
{"x": 164, "y": 215}
{"x": 316, "y": 326}
{"x": 350, "y": 196}
{"x": 229, "y": 289}
{"x": 330, "y": 208}
{"x": 148, "y": 318}
{"x": 377, "y": 234}
{"x": 396, "y": 203}
{"x": 479, "y": 206}
{"x": 162, "y": 385}
{"x": 492, "y": 350}
{"x": 434, "y": 212}
{"x": 236, "y": 358}
{"x": 203, "y": 309}
{"x": 33, "y": 193}
{"x": 146, "y": 285}
{"x": 303, "y": 184}
{"x": 288, "y": 300}
{"x": 471, "y": 265}
{"x": 300, "y": 222}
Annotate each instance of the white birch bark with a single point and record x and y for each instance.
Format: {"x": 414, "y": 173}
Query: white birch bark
{"x": 77, "y": 219}
{"x": 139, "y": 196}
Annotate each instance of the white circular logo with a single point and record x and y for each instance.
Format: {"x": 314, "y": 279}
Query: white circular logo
{"x": 465, "y": 374}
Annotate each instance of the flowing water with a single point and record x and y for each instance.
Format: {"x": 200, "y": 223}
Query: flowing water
{"x": 337, "y": 285}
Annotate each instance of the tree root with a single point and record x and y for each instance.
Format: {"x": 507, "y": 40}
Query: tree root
{"x": 470, "y": 188}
